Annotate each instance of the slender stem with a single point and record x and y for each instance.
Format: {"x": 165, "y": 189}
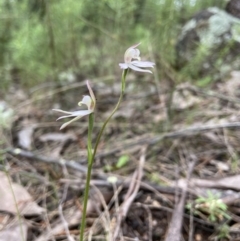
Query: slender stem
{"x": 85, "y": 201}
{"x": 91, "y": 155}
{"x": 90, "y": 162}
{"x": 89, "y": 141}
{"x": 124, "y": 74}
{"x": 16, "y": 205}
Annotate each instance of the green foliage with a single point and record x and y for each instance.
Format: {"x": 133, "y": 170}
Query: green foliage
{"x": 39, "y": 40}
{"x": 122, "y": 161}
{"x": 155, "y": 178}
{"x": 203, "y": 82}
{"x": 223, "y": 232}
{"x": 211, "y": 205}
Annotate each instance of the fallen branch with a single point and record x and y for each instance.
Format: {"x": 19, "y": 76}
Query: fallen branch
{"x": 32, "y": 156}
{"x": 102, "y": 177}
{"x": 130, "y": 196}
{"x": 174, "y": 229}
{"x": 175, "y": 134}
{"x": 143, "y": 141}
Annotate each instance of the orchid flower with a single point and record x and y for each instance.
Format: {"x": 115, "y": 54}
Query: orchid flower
{"x": 137, "y": 65}
{"x": 89, "y": 101}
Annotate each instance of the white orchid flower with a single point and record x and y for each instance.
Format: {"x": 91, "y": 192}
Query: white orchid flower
{"x": 129, "y": 56}
{"x": 89, "y": 101}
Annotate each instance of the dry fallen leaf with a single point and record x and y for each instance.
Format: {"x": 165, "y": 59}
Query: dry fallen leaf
{"x": 59, "y": 137}
{"x": 221, "y": 166}
{"x": 14, "y": 232}
{"x": 26, "y": 133}
{"x": 13, "y": 196}
{"x": 25, "y": 137}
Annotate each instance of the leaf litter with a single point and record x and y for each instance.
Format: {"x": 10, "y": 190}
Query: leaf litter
{"x": 142, "y": 203}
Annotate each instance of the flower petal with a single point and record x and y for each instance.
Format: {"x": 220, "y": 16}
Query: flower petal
{"x": 131, "y": 53}
{"x": 131, "y": 66}
{"x": 134, "y": 46}
{"x": 86, "y": 101}
{"x": 69, "y": 122}
{"x": 92, "y": 107}
{"x": 143, "y": 64}
{"x": 132, "y": 60}
{"x": 62, "y": 111}
{"x": 136, "y": 54}
{"x": 123, "y": 66}
{"x": 77, "y": 113}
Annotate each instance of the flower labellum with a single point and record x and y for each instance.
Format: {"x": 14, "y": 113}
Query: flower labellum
{"x": 89, "y": 101}
{"x": 133, "y": 61}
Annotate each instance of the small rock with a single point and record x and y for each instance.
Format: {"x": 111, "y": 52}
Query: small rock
{"x": 209, "y": 43}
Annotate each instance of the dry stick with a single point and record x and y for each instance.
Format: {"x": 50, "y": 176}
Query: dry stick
{"x": 150, "y": 141}
{"x": 174, "y": 229}
{"x": 180, "y": 133}
{"x": 191, "y": 226}
{"x": 230, "y": 149}
{"x": 60, "y": 208}
{"x": 64, "y": 223}
{"x": 78, "y": 167}
{"x": 104, "y": 217}
{"x": 131, "y": 194}
{"x": 32, "y": 156}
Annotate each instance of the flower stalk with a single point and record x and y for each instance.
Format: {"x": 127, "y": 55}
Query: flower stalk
{"x": 124, "y": 74}
{"x": 91, "y": 155}
{"x": 89, "y": 171}
{"x": 132, "y": 61}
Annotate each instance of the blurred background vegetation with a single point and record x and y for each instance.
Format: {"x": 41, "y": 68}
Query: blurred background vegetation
{"x": 57, "y": 40}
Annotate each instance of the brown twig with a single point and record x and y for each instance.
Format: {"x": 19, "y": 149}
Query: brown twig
{"x": 175, "y": 134}
{"x": 32, "y": 156}
{"x": 131, "y": 194}
{"x": 174, "y": 230}
{"x": 142, "y": 141}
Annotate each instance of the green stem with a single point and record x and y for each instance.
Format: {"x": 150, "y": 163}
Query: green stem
{"x": 124, "y": 74}
{"x": 90, "y": 162}
{"x": 91, "y": 155}
{"x": 19, "y": 217}
{"x": 89, "y": 141}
